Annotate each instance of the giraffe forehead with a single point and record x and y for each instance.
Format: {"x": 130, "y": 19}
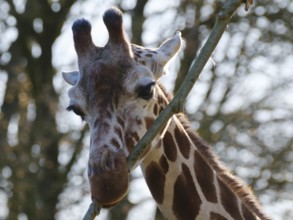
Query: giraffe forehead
{"x": 102, "y": 83}
{"x": 107, "y": 81}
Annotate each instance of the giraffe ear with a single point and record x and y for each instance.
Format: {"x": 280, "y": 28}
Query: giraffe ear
{"x": 71, "y": 77}
{"x": 156, "y": 59}
{"x": 169, "y": 48}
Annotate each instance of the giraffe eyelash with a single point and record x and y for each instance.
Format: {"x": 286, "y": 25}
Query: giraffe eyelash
{"x": 76, "y": 111}
{"x": 146, "y": 91}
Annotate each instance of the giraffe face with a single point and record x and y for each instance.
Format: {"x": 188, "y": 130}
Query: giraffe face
{"x": 115, "y": 92}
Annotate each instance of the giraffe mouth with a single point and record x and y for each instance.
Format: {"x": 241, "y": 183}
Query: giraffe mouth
{"x": 109, "y": 205}
{"x": 108, "y": 177}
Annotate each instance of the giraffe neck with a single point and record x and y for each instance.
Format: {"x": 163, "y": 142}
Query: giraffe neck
{"x": 188, "y": 182}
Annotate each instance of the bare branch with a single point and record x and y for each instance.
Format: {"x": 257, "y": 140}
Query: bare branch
{"x": 229, "y": 8}
{"x": 92, "y": 211}
{"x": 77, "y": 149}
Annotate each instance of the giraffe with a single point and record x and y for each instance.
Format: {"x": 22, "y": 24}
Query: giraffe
{"x": 116, "y": 92}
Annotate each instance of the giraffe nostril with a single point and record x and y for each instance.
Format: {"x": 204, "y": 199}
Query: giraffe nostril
{"x": 92, "y": 169}
{"x": 107, "y": 162}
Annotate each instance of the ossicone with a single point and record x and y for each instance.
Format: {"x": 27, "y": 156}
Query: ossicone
{"x": 81, "y": 29}
{"x": 114, "y": 23}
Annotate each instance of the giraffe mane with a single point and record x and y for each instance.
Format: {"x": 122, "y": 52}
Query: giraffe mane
{"x": 235, "y": 184}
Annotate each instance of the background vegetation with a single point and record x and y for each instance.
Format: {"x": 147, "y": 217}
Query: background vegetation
{"x": 242, "y": 103}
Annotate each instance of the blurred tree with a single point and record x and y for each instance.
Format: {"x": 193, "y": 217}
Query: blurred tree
{"x": 241, "y": 104}
{"x": 29, "y": 138}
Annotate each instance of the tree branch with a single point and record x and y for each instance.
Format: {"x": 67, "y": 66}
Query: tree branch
{"x": 77, "y": 149}
{"x": 229, "y": 8}
{"x": 93, "y": 210}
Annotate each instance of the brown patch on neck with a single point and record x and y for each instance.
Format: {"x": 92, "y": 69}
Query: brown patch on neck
{"x": 216, "y": 216}
{"x": 229, "y": 201}
{"x": 182, "y": 142}
{"x": 205, "y": 177}
{"x": 164, "y": 164}
{"x": 170, "y": 148}
{"x": 186, "y": 200}
{"x": 155, "y": 179}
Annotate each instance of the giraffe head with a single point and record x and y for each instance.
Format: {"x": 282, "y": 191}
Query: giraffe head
{"x": 115, "y": 92}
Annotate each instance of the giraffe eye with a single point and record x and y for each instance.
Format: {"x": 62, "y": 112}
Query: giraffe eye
{"x": 146, "y": 92}
{"x": 76, "y": 111}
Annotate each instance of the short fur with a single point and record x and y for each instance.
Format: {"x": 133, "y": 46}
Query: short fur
{"x": 223, "y": 172}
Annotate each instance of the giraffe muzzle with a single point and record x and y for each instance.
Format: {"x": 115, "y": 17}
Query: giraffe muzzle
{"x": 108, "y": 177}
